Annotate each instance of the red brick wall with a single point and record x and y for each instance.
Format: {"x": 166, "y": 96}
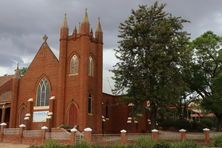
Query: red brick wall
{"x": 44, "y": 65}
{"x": 118, "y": 112}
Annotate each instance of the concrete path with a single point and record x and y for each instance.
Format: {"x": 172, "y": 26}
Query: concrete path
{"x": 9, "y": 145}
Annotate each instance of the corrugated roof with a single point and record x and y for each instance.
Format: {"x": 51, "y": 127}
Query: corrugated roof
{"x": 4, "y": 79}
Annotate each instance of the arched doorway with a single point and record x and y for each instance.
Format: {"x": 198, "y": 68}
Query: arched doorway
{"x": 72, "y": 119}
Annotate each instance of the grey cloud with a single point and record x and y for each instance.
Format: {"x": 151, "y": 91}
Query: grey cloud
{"x": 24, "y": 22}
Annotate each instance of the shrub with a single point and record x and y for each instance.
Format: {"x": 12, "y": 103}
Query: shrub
{"x": 65, "y": 126}
{"x": 217, "y": 141}
{"x": 116, "y": 145}
{"x": 51, "y": 144}
{"x": 176, "y": 124}
{"x": 185, "y": 144}
{"x": 145, "y": 142}
{"x": 162, "y": 145}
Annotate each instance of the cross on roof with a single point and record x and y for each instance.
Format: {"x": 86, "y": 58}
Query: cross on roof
{"x": 45, "y": 37}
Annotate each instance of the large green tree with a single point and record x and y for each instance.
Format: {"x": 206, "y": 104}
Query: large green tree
{"x": 213, "y": 103}
{"x": 204, "y": 73}
{"x": 152, "y": 50}
{"x": 206, "y": 63}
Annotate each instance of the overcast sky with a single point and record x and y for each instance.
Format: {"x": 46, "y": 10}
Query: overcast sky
{"x": 24, "y": 22}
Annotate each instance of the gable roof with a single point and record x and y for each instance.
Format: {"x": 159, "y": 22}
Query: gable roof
{"x": 4, "y": 79}
{"x": 44, "y": 46}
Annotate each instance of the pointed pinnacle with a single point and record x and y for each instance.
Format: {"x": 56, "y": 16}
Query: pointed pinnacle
{"x": 85, "y": 19}
{"x": 65, "y": 23}
{"x": 98, "y": 26}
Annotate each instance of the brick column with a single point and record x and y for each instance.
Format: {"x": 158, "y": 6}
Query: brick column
{"x": 22, "y": 127}
{"x": 27, "y": 122}
{"x": 123, "y": 137}
{"x": 44, "y": 129}
{"x": 183, "y": 135}
{"x": 51, "y": 109}
{"x": 30, "y": 113}
{"x": 49, "y": 122}
{"x": 3, "y": 125}
{"x": 3, "y": 114}
{"x": 73, "y": 135}
{"x": 206, "y": 135}
{"x": 154, "y": 135}
{"x": 88, "y": 134}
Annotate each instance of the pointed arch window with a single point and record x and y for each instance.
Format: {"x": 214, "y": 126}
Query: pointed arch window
{"x": 91, "y": 66}
{"x": 43, "y": 93}
{"x": 90, "y": 104}
{"x": 74, "y": 65}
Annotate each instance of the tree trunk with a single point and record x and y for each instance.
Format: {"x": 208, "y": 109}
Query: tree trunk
{"x": 219, "y": 122}
{"x": 153, "y": 115}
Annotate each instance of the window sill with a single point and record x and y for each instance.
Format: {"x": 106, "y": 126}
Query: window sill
{"x": 73, "y": 74}
{"x": 41, "y": 107}
{"x": 90, "y": 114}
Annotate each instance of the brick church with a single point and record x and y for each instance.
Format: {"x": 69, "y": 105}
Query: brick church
{"x": 68, "y": 90}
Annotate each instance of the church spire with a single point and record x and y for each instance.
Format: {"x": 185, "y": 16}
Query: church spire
{"x": 98, "y": 26}
{"x": 64, "y": 30}
{"x": 99, "y": 32}
{"x": 86, "y": 18}
{"x": 85, "y": 27}
{"x": 65, "y": 22}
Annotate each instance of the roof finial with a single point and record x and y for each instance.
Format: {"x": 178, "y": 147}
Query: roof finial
{"x": 98, "y": 26}
{"x": 45, "y": 37}
{"x": 17, "y": 71}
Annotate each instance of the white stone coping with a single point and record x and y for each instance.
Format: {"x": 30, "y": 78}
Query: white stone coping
{"x": 30, "y": 100}
{"x": 52, "y": 98}
{"x": 27, "y": 114}
{"x": 135, "y": 121}
{"x": 182, "y": 130}
{"x": 154, "y": 131}
{"x": 22, "y": 125}
{"x": 206, "y": 129}
{"x": 123, "y": 131}
{"x": 129, "y": 121}
{"x": 44, "y": 128}
{"x": 49, "y": 117}
{"x": 87, "y": 129}
{"x": 50, "y": 113}
{"x": 73, "y": 130}
{"x": 26, "y": 118}
{"x": 129, "y": 118}
{"x": 3, "y": 124}
{"x": 131, "y": 104}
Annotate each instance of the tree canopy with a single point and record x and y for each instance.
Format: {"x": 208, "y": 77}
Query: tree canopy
{"x": 152, "y": 51}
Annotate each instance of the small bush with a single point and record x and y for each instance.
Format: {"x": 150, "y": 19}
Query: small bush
{"x": 217, "y": 141}
{"x": 185, "y": 144}
{"x": 116, "y": 145}
{"x": 176, "y": 124}
{"x": 162, "y": 145}
{"x": 51, "y": 144}
{"x": 145, "y": 142}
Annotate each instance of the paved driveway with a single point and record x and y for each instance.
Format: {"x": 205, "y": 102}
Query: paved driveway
{"x": 9, "y": 145}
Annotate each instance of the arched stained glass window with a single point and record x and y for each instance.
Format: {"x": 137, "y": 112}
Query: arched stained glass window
{"x": 89, "y": 104}
{"x": 74, "y": 65}
{"x": 43, "y": 93}
{"x": 91, "y": 66}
